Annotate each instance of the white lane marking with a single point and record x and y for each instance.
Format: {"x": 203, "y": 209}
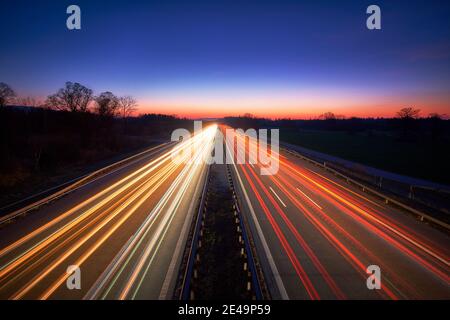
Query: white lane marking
{"x": 277, "y": 197}
{"x": 126, "y": 253}
{"x": 183, "y": 181}
{"x": 369, "y": 216}
{"x": 164, "y": 294}
{"x": 262, "y": 238}
{"x": 309, "y": 198}
{"x": 252, "y": 165}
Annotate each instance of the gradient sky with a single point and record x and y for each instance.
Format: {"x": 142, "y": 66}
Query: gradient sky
{"x": 215, "y": 58}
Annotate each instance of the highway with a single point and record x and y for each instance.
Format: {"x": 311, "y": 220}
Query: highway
{"x": 125, "y": 231}
{"x": 316, "y": 236}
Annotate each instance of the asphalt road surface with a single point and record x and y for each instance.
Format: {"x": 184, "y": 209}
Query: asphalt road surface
{"x": 317, "y": 235}
{"x": 125, "y": 232}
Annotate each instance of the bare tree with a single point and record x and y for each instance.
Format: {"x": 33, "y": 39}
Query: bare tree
{"x": 6, "y": 94}
{"x": 107, "y": 104}
{"x": 73, "y": 97}
{"x": 408, "y": 113}
{"x": 127, "y": 105}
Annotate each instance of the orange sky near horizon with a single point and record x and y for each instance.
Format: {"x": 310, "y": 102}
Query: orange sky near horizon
{"x": 286, "y": 105}
{"x": 297, "y": 109}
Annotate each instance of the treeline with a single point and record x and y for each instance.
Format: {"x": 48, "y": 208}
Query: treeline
{"x": 408, "y": 124}
{"x": 74, "y": 97}
{"x": 73, "y": 128}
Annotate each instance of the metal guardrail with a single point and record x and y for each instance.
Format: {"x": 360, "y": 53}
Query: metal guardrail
{"x": 421, "y": 215}
{"x": 186, "y": 283}
{"x": 250, "y": 258}
{"x": 80, "y": 182}
{"x": 434, "y": 196}
{"x": 193, "y": 245}
{"x": 253, "y": 237}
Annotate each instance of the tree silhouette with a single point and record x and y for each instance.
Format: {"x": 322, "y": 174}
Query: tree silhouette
{"x": 408, "y": 113}
{"x": 407, "y": 117}
{"x": 107, "y": 104}
{"x": 6, "y": 94}
{"x": 73, "y": 97}
{"x": 127, "y": 105}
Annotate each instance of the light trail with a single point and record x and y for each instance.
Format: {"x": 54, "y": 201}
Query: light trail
{"x": 84, "y": 229}
{"x": 315, "y": 232}
{"x": 183, "y": 182}
{"x": 312, "y": 292}
{"x": 141, "y": 173}
{"x": 341, "y": 204}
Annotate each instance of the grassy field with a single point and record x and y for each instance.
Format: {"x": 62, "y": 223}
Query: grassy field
{"x": 383, "y": 150}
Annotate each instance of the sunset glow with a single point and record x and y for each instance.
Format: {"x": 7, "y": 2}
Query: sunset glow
{"x": 298, "y": 107}
{"x": 292, "y": 59}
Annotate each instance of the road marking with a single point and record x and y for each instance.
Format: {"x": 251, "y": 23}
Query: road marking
{"x": 278, "y": 197}
{"x": 165, "y": 294}
{"x": 108, "y": 279}
{"x": 262, "y": 238}
{"x": 183, "y": 182}
{"x": 309, "y": 198}
{"x": 369, "y": 216}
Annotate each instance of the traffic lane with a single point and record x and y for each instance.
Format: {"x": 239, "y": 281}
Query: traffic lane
{"x": 125, "y": 234}
{"x": 415, "y": 258}
{"x": 138, "y": 255}
{"x": 159, "y": 281}
{"x": 159, "y": 254}
{"x": 122, "y": 212}
{"x": 10, "y": 233}
{"x": 94, "y": 265}
{"x": 431, "y": 288}
{"x": 425, "y": 232}
{"x": 366, "y": 248}
{"x": 77, "y": 218}
{"x": 346, "y": 203}
{"x": 427, "y": 241}
{"x": 322, "y": 272}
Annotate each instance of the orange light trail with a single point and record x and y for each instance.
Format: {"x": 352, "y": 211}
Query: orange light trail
{"x": 360, "y": 209}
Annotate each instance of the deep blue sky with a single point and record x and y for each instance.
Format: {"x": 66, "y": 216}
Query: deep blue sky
{"x": 293, "y": 57}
